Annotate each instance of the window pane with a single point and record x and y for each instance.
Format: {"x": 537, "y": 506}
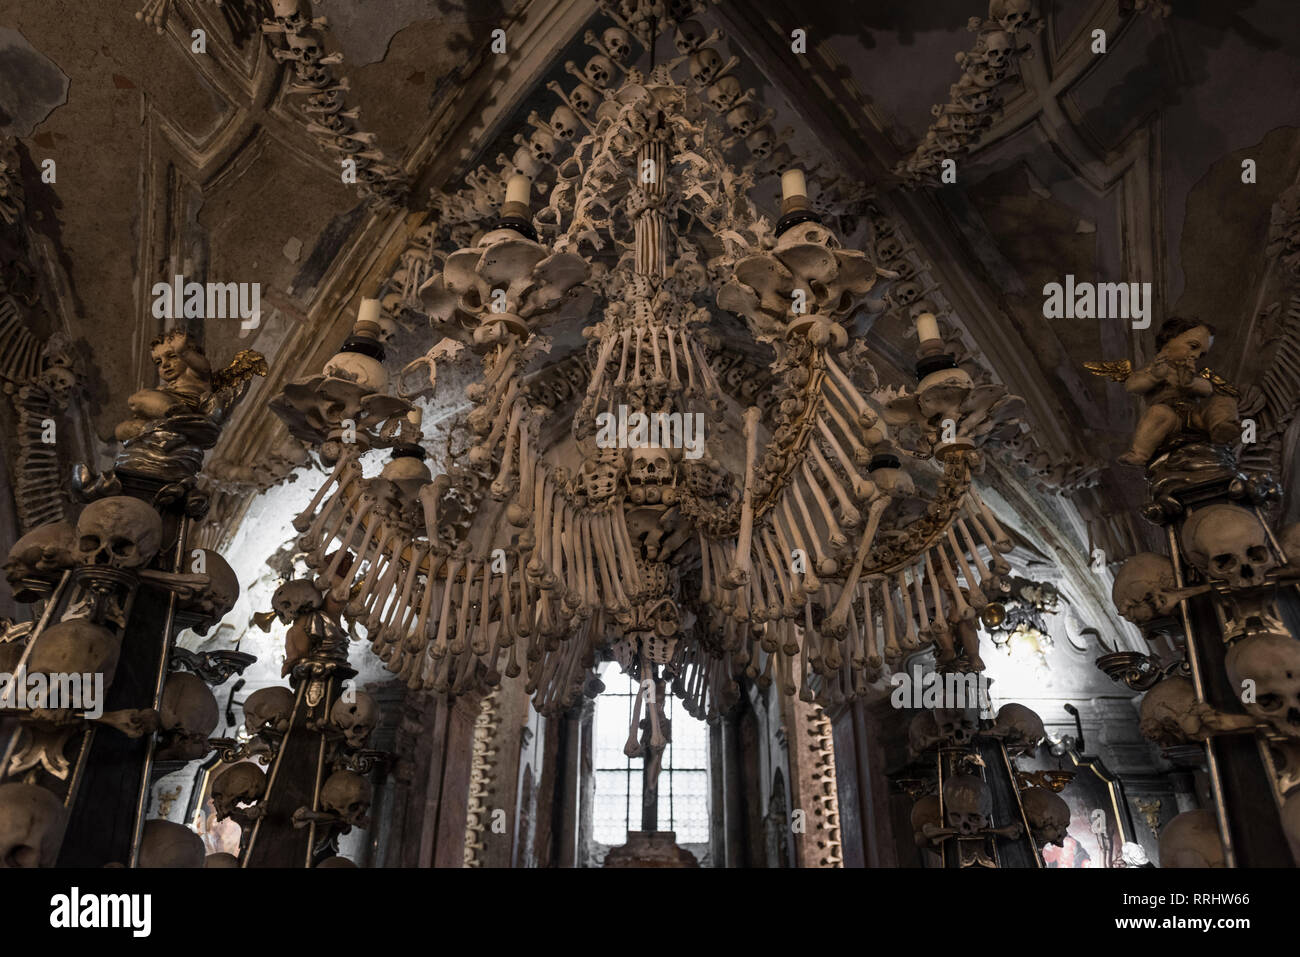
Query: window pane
{"x": 683, "y": 782}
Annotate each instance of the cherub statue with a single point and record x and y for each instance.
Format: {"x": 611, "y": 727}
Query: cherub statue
{"x": 1177, "y": 396}
{"x": 172, "y": 425}
{"x": 186, "y": 378}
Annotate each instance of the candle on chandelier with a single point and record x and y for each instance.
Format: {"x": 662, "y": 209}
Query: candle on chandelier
{"x": 794, "y": 190}
{"x": 518, "y": 191}
{"x": 369, "y": 311}
{"x": 927, "y": 328}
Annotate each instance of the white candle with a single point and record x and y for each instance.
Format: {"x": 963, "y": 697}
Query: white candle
{"x": 793, "y": 184}
{"x": 518, "y": 189}
{"x": 369, "y": 311}
{"x": 927, "y": 327}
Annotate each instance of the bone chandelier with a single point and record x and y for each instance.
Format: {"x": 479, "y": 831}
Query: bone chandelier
{"x": 853, "y": 534}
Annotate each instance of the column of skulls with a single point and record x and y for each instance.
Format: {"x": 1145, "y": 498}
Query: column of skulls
{"x": 974, "y": 807}
{"x": 1222, "y": 679}
{"x": 297, "y": 780}
{"x": 102, "y": 706}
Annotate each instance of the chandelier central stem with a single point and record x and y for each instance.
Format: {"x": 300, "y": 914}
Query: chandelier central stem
{"x": 651, "y": 236}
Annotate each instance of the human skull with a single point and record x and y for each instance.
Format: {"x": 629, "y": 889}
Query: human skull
{"x": 1144, "y": 588}
{"x": 649, "y": 466}
{"x": 1012, "y": 14}
{"x": 741, "y": 120}
{"x": 188, "y": 717}
{"x": 957, "y": 724}
{"x": 724, "y": 93}
{"x": 542, "y": 145}
{"x": 355, "y": 718}
{"x": 294, "y": 599}
{"x": 1272, "y": 662}
{"x": 167, "y": 844}
{"x": 308, "y": 46}
{"x": 118, "y": 531}
{"x": 583, "y": 98}
{"x": 1019, "y": 727}
{"x": 705, "y": 64}
{"x": 997, "y": 49}
{"x": 242, "y": 783}
{"x": 689, "y": 36}
{"x": 347, "y": 794}
{"x": 982, "y": 75}
{"x": 565, "y": 123}
{"x": 40, "y": 554}
{"x": 922, "y": 733}
{"x": 890, "y": 247}
{"x": 968, "y": 803}
{"x": 599, "y": 71}
{"x": 220, "y": 596}
{"x": 617, "y": 44}
{"x": 31, "y": 825}
{"x": 271, "y": 706}
{"x": 525, "y": 163}
{"x": 760, "y": 142}
{"x": 925, "y": 813}
{"x": 905, "y": 293}
{"x": 1191, "y": 840}
{"x": 74, "y": 647}
{"x": 1048, "y": 815}
{"x": 1228, "y": 542}
{"x": 59, "y": 380}
{"x": 979, "y": 101}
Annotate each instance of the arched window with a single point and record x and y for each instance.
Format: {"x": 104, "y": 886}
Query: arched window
{"x": 683, "y": 804}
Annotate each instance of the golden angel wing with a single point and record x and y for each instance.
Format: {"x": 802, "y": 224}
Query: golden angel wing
{"x": 1221, "y": 385}
{"x": 243, "y": 367}
{"x": 1117, "y": 370}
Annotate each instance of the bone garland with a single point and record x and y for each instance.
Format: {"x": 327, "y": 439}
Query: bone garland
{"x": 739, "y": 574}
{"x": 974, "y": 595}
{"x": 838, "y": 540}
{"x": 823, "y": 564}
{"x": 378, "y": 179}
{"x": 987, "y": 581}
{"x": 893, "y": 653}
{"x": 910, "y": 640}
{"x": 329, "y": 520}
{"x": 834, "y": 625}
{"x": 939, "y": 629}
{"x": 501, "y": 485}
{"x": 973, "y": 103}
{"x": 849, "y": 515}
{"x": 997, "y": 563}
{"x": 345, "y": 471}
{"x": 1000, "y": 539}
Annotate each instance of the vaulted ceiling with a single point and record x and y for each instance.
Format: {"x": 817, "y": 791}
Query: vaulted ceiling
{"x": 1122, "y": 166}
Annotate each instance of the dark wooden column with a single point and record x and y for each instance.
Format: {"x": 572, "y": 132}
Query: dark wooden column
{"x": 866, "y": 831}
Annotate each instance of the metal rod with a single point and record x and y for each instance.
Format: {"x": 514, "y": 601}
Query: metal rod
{"x": 1211, "y": 752}
{"x": 160, "y": 680}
